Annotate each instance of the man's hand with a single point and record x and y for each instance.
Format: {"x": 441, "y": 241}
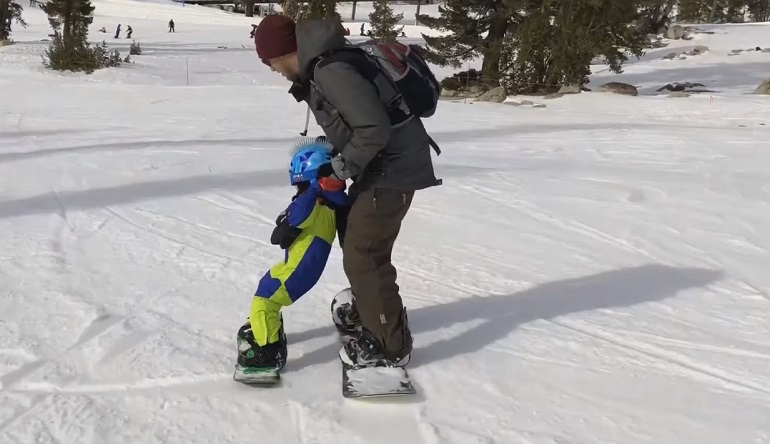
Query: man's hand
{"x": 336, "y": 169}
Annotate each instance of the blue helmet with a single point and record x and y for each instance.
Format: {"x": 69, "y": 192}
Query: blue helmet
{"x": 307, "y": 157}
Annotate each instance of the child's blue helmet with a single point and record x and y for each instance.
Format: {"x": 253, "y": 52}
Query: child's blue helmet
{"x": 307, "y": 157}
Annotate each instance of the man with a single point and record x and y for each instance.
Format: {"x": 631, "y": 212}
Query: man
{"x": 387, "y": 165}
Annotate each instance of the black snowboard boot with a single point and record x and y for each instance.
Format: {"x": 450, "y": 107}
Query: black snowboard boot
{"x": 269, "y": 356}
{"x": 344, "y": 313}
{"x": 366, "y": 351}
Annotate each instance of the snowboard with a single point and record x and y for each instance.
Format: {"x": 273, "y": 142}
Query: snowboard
{"x": 375, "y": 382}
{"x": 256, "y": 375}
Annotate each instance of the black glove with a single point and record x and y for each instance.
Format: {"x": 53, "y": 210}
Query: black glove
{"x": 284, "y": 234}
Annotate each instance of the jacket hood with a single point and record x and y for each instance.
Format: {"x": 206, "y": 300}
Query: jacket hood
{"x": 315, "y": 37}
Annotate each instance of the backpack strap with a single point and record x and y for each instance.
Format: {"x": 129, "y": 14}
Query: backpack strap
{"x": 389, "y": 94}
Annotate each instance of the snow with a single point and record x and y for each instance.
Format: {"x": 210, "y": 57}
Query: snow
{"x": 592, "y": 271}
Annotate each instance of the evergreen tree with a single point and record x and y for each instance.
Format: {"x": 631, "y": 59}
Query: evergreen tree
{"x": 736, "y": 9}
{"x": 759, "y": 10}
{"x": 292, "y": 8}
{"x": 10, "y": 11}
{"x": 312, "y": 9}
{"x": 556, "y": 42}
{"x": 384, "y": 22}
{"x": 466, "y": 21}
{"x": 321, "y": 9}
{"x": 69, "y": 49}
{"x": 694, "y": 11}
{"x": 655, "y": 15}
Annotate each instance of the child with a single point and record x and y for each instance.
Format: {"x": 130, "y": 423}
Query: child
{"x": 306, "y": 231}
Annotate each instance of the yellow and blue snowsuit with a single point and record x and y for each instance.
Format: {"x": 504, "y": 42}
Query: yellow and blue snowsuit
{"x": 312, "y": 218}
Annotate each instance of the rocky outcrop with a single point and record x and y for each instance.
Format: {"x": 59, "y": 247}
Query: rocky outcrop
{"x": 763, "y": 88}
{"x": 618, "y": 88}
{"x": 496, "y": 95}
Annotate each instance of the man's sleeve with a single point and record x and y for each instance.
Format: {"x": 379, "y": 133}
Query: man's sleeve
{"x": 359, "y": 104}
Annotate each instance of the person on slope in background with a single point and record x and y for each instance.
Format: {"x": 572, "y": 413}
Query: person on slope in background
{"x": 306, "y": 231}
{"x": 387, "y": 165}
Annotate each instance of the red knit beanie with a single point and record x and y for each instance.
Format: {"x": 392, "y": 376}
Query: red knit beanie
{"x": 275, "y": 37}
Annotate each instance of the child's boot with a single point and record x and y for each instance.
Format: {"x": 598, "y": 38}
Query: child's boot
{"x": 259, "y": 364}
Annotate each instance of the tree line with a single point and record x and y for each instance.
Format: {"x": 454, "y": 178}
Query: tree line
{"x": 527, "y": 46}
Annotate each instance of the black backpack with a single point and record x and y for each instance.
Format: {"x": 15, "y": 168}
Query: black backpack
{"x": 408, "y": 73}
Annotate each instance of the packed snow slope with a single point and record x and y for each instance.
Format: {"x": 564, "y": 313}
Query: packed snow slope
{"x": 595, "y": 271}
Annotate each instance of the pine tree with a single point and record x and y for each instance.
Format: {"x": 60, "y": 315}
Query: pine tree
{"x": 736, "y": 9}
{"x": 69, "y": 49}
{"x": 556, "y": 42}
{"x": 384, "y": 22}
{"x": 10, "y": 11}
{"x": 312, "y": 9}
{"x": 466, "y": 21}
{"x": 655, "y": 15}
{"x": 292, "y": 8}
{"x": 759, "y": 10}
{"x": 694, "y": 11}
{"x": 321, "y": 9}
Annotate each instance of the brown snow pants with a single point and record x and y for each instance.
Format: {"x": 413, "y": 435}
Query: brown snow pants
{"x": 373, "y": 225}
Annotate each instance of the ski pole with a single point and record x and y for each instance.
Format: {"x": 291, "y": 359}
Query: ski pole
{"x": 307, "y": 122}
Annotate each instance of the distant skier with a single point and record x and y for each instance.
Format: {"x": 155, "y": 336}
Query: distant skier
{"x": 129, "y": 31}
{"x": 306, "y": 230}
{"x": 171, "y": 26}
{"x": 117, "y": 32}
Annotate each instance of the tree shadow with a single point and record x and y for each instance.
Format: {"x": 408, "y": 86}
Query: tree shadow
{"x": 188, "y": 186}
{"x": 715, "y": 75}
{"x": 139, "y": 145}
{"x": 502, "y": 314}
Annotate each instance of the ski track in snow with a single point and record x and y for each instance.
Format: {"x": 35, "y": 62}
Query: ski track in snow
{"x": 592, "y": 271}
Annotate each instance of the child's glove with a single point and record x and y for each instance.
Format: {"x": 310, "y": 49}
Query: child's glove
{"x": 284, "y": 234}
{"x": 331, "y": 184}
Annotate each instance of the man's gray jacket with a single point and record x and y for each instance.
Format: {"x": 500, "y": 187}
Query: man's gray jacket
{"x": 351, "y": 111}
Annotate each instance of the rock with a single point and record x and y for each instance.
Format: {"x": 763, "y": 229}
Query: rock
{"x": 763, "y": 88}
{"x": 569, "y": 89}
{"x": 687, "y": 37}
{"x": 619, "y": 88}
{"x": 698, "y": 50}
{"x": 497, "y": 95}
{"x": 551, "y": 96}
{"x": 5, "y": 42}
{"x": 766, "y": 50}
{"x": 736, "y": 51}
{"x": 679, "y": 86}
{"x": 512, "y": 103}
{"x": 678, "y": 94}
{"x": 527, "y": 102}
{"x": 670, "y": 56}
{"x": 732, "y": 54}
{"x": 451, "y": 84}
{"x": 675, "y": 32}
{"x": 538, "y": 105}
{"x": 448, "y": 93}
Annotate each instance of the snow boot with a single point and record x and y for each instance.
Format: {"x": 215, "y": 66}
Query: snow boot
{"x": 365, "y": 350}
{"x": 259, "y": 363}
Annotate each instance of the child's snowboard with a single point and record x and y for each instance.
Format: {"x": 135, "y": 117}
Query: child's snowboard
{"x": 257, "y": 375}
{"x": 371, "y": 382}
